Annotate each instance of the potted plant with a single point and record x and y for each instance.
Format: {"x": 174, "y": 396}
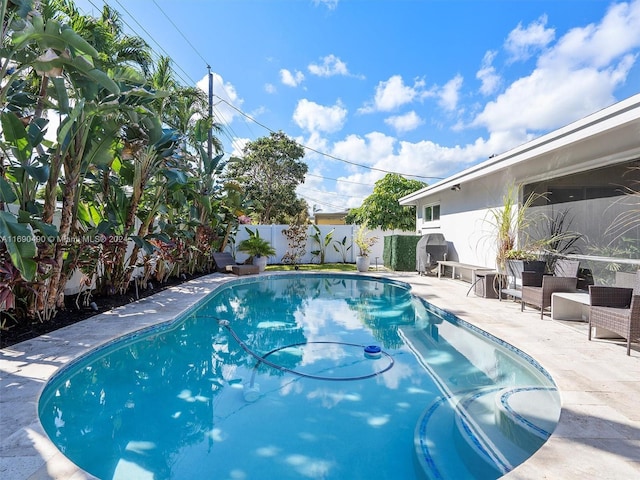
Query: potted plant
{"x": 518, "y": 261}
{"x": 364, "y": 241}
{"x": 258, "y": 249}
{"x": 514, "y": 252}
{"x": 510, "y": 221}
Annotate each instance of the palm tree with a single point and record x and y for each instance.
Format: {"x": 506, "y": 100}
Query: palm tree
{"x": 106, "y": 34}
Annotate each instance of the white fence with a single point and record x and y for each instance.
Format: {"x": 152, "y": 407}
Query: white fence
{"x": 273, "y": 234}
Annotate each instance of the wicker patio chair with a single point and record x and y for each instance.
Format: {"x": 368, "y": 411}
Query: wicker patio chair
{"x": 616, "y": 309}
{"x": 225, "y": 263}
{"x": 537, "y": 288}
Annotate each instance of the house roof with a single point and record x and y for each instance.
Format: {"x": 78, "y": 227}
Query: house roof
{"x": 608, "y": 136}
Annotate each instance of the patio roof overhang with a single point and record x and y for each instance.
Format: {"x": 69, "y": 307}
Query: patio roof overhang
{"x": 606, "y": 137}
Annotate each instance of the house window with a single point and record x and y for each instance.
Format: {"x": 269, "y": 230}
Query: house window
{"x": 612, "y": 181}
{"x": 431, "y": 213}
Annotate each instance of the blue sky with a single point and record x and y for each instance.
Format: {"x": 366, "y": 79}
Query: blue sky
{"x": 417, "y": 87}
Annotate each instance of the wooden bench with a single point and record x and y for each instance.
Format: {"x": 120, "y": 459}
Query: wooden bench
{"x": 460, "y": 268}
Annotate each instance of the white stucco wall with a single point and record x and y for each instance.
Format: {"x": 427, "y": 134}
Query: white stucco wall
{"x": 465, "y": 221}
{"x": 607, "y": 137}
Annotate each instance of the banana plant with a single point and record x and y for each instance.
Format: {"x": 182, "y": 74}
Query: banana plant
{"x": 150, "y": 172}
{"x": 26, "y": 170}
{"x": 322, "y": 241}
{"x": 342, "y": 247}
{"x": 32, "y": 46}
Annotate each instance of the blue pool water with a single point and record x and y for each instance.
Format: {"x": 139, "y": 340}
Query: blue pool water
{"x": 307, "y": 376}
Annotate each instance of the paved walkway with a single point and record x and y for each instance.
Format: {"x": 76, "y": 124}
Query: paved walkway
{"x": 598, "y": 436}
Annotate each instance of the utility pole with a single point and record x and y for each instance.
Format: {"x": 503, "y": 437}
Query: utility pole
{"x": 210, "y": 139}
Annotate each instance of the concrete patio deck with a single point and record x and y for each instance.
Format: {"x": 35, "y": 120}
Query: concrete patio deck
{"x": 598, "y": 436}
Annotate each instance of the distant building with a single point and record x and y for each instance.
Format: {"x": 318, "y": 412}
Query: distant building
{"x": 336, "y": 218}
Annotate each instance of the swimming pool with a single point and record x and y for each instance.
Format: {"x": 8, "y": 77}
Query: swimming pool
{"x": 270, "y": 377}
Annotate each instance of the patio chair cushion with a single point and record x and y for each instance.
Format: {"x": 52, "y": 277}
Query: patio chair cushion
{"x": 540, "y": 296}
{"x": 225, "y": 263}
{"x": 537, "y": 288}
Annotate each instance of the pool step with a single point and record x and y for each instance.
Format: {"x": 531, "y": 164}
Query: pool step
{"x": 524, "y": 417}
{"x": 491, "y": 430}
{"x": 435, "y": 453}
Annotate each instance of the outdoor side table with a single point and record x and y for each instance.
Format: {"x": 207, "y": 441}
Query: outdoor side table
{"x": 570, "y": 306}
{"x": 485, "y": 284}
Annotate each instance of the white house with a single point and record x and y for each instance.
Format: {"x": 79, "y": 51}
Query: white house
{"x": 590, "y": 168}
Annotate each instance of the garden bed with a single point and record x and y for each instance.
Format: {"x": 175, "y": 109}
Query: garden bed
{"x": 26, "y": 329}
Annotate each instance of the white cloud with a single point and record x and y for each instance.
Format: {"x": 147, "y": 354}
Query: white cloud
{"x": 405, "y": 123}
{"x": 573, "y": 78}
{"x": 313, "y": 117}
{"x": 597, "y": 46}
{"x": 487, "y": 74}
{"x": 450, "y": 93}
{"x": 384, "y": 153}
{"x": 394, "y": 93}
{"x": 331, "y": 65}
{"x": 291, "y": 79}
{"x": 522, "y": 43}
{"x": 238, "y": 146}
{"x": 367, "y": 150}
{"x": 270, "y": 88}
{"x": 549, "y": 99}
{"x": 330, "y": 4}
{"x": 316, "y": 143}
{"x": 226, "y": 92}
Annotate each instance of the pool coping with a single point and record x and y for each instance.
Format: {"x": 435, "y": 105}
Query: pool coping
{"x": 598, "y": 435}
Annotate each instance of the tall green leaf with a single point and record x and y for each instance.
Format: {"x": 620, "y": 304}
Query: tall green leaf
{"x": 16, "y": 135}
{"x": 7, "y": 195}
{"x": 20, "y": 244}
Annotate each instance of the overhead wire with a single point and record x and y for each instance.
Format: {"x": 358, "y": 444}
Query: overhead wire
{"x": 225, "y": 124}
{"x": 338, "y": 180}
{"x": 188, "y": 80}
{"x": 314, "y": 201}
{"x": 197, "y": 52}
{"x": 307, "y": 189}
{"x": 206, "y": 63}
{"x": 181, "y": 34}
{"x": 324, "y": 154}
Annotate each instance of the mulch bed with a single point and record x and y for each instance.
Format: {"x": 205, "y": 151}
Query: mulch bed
{"x": 25, "y": 329}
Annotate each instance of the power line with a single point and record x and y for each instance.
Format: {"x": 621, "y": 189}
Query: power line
{"x": 328, "y": 155}
{"x": 331, "y": 193}
{"x": 241, "y": 112}
{"x": 207, "y": 64}
{"x": 151, "y": 38}
{"x": 337, "y": 207}
{"x": 339, "y": 180}
{"x": 188, "y": 80}
{"x": 181, "y": 34}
